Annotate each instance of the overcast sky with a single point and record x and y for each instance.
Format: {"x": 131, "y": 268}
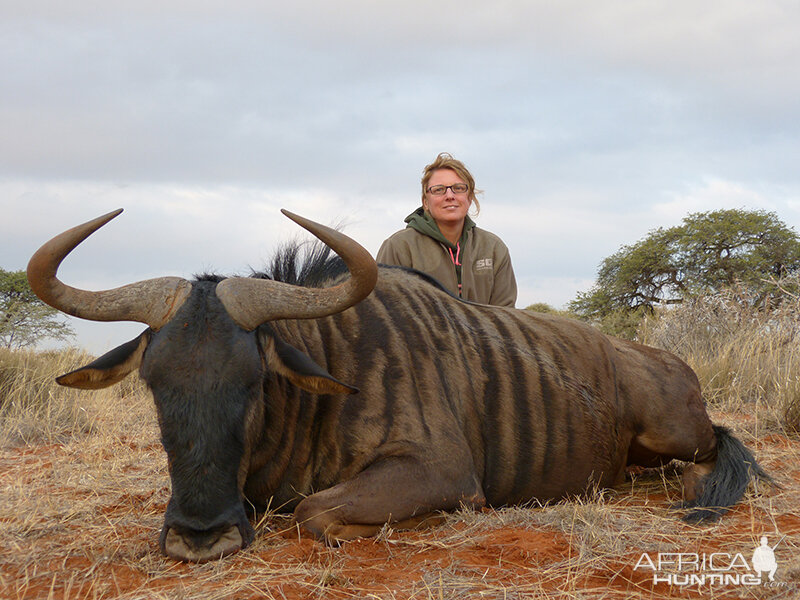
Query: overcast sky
{"x": 586, "y": 124}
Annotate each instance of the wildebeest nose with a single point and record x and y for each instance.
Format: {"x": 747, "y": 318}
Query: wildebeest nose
{"x": 196, "y": 540}
{"x": 200, "y": 546}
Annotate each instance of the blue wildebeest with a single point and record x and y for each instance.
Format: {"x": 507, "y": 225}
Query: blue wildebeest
{"x": 254, "y": 383}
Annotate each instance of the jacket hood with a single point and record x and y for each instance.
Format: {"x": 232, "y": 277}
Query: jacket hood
{"x": 421, "y": 221}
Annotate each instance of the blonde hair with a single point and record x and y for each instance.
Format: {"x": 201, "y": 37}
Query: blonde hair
{"x": 445, "y": 160}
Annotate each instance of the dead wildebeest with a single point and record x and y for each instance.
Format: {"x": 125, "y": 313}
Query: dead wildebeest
{"x": 254, "y": 383}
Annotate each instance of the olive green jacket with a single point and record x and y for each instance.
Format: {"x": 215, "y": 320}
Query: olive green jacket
{"x": 487, "y": 276}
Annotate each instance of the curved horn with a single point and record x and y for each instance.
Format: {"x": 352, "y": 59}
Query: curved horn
{"x": 251, "y": 302}
{"x": 152, "y": 302}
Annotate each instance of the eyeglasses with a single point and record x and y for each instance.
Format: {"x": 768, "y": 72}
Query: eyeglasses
{"x": 440, "y": 190}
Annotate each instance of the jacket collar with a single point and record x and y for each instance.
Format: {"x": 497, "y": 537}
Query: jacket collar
{"x": 421, "y": 221}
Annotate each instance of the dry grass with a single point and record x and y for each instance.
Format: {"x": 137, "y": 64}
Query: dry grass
{"x": 747, "y": 359}
{"x": 81, "y": 507}
{"x": 33, "y": 408}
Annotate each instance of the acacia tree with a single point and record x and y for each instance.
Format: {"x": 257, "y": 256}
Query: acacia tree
{"x": 706, "y": 253}
{"x": 24, "y": 319}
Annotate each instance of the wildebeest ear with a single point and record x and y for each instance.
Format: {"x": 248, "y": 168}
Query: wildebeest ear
{"x": 110, "y": 368}
{"x": 302, "y": 371}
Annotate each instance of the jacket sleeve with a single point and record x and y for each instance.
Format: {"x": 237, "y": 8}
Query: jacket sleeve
{"x": 504, "y": 290}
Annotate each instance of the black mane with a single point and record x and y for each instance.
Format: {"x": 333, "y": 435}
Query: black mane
{"x": 307, "y": 264}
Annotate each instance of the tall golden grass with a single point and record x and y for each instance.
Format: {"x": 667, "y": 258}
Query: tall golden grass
{"x": 34, "y": 408}
{"x": 746, "y": 357}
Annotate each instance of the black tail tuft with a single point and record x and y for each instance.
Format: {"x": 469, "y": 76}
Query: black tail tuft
{"x": 726, "y": 484}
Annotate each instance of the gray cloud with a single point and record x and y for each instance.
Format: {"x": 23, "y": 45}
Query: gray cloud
{"x": 587, "y": 124}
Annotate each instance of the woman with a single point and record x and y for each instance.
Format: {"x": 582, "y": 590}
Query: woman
{"x": 441, "y": 239}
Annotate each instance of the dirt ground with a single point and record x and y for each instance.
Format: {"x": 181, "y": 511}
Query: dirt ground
{"x": 80, "y": 518}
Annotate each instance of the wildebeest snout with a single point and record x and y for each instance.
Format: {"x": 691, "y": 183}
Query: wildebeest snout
{"x": 188, "y": 540}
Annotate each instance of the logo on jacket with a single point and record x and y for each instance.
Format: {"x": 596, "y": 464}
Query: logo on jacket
{"x": 484, "y": 264}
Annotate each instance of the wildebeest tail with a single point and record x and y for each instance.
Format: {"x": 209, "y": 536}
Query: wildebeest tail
{"x": 726, "y": 484}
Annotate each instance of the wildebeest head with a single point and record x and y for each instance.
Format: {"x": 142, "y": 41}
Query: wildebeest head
{"x": 205, "y": 364}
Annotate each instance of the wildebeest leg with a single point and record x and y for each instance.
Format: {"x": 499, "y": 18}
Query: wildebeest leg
{"x": 674, "y": 424}
{"x": 680, "y": 432}
{"x": 341, "y": 533}
{"x": 692, "y": 478}
{"x": 721, "y": 469}
{"x": 664, "y": 405}
{"x": 668, "y": 419}
{"x": 399, "y": 490}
